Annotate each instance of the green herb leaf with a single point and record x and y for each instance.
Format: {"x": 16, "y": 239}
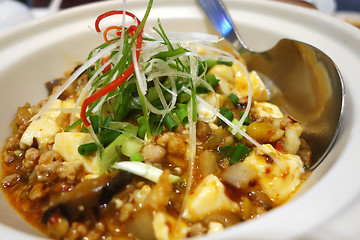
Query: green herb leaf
{"x": 240, "y": 153}
{"x": 226, "y": 151}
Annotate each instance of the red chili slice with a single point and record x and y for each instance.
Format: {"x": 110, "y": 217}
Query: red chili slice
{"x": 279, "y": 146}
{"x": 120, "y": 79}
{"x": 103, "y": 61}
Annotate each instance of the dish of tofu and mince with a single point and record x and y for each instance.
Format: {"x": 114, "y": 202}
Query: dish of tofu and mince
{"x": 155, "y": 136}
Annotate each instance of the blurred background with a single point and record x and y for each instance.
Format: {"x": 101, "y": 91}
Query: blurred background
{"x": 342, "y": 5}
{"x": 14, "y": 12}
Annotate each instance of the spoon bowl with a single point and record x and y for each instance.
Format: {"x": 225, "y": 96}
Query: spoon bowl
{"x": 302, "y": 80}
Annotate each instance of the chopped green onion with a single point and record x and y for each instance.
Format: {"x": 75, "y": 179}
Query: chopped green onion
{"x": 170, "y": 53}
{"x": 184, "y": 97}
{"x": 212, "y": 80}
{"x": 95, "y": 122}
{"x": 181, "y": 112}
{"x": 144, "y": 111}
{"x": 112, "y": 153}
{"x": 119, "y": 97}
{"x": 234, "y": 153}
{"x": 234, "y": 99}
{"x": 142, "y": 127}
{"x": 247, "y": 119}
{"x": 240, "y": 153}
{"x": 227, "y": 114}
{"x": 87, "y": 148}
{"x": 107, "y": 136}
{"x": 125, "y": 126}
{"x": 155, "y": 126}
{"x": 74, "y": 125}
{"x": 169, "y": 122}
{"x": 107, "y": 121}
{"x": 131, "y": 146}
{"x": 140, "y": 120}
{"x": 124, "y": 107}
{"x": 152, "y": 94}
{"x": 137, "y": 157}
{"x": 142, "y": 131}
{"x": 211, "y": 63}
{"x": 242, "y": 127}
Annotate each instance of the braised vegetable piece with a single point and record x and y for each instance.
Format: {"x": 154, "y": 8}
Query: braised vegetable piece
{"x": 83, "y": 201}
{"x": 155, "y": 136}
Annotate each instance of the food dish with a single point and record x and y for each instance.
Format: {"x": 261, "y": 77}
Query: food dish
{"x": 179, "y": 138}
{"x": 301, "y": 197}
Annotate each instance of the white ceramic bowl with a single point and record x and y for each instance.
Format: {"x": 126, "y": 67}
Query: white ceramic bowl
{"x": 43, "y": 49}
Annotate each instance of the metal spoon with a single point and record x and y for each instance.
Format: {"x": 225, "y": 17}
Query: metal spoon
{"x": 302, "y": 80}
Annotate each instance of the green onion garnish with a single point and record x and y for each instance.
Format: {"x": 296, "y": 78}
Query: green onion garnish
{"x": 170, "y": 123}
{"x": 72, "y": 126}
{"x": 211, "y": 63}
{"x": 242, "y": 127}
{"x": 247, "y": 119}
{"x": 137, "y": 157}
{"x": 87, "y": 148}
{"x": 226, "y": 113}
{"x": 234, "y": 99}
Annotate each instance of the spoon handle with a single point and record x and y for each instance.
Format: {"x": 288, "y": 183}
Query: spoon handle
{"x": 220, "y": 19}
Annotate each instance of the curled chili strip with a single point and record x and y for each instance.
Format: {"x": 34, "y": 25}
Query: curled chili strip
{"x": 107, "y": 30}
{"x": 110, "y": 13}
{"x": 120, "y": 79}
{"x": 131, "y": 30}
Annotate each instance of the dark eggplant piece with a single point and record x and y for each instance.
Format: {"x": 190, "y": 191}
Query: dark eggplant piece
{"x": 83, "y": 201}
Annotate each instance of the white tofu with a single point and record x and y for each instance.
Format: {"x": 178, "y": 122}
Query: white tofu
{"x": 258, "y": 88}
{"x": 292, "y": 138}
{"x": 208, "y": 197}
{"x": 67, "y": 143}
{"x": 215, "y": 227}
{"x": 140, "y": 195}
{"x": 226, "y": 75}
{"x": 277, "y": 183}
{"x": 166, "y": 227}
{"x": 44, "y": 129}
{"x": 214, "y": 100}
{"x": 233, "y": 80}
{"x": 266, "y": 110}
